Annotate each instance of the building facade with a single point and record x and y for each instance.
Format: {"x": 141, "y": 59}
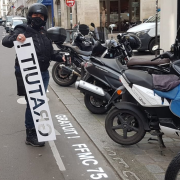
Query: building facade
{"x": 20, "y": 8}
{"x": 3, "y": 8}
{"x": 103, "y": 12}
{"x": 169, "y": 23}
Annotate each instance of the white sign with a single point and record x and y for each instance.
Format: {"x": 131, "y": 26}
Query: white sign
{"x": 35, "y": 90}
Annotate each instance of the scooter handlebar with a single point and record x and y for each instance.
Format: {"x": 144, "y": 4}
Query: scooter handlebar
{"x": 167, "y": 54}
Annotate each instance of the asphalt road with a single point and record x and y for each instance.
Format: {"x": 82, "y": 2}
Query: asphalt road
{"x": 73, "y": 156}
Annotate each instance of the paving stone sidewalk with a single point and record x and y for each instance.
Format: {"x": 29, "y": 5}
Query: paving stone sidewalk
{"x": 143, "y": 161}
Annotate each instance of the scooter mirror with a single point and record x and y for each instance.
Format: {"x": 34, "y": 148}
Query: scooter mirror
{"x": 93, "y": 25}
{"x": 111, "y": 27}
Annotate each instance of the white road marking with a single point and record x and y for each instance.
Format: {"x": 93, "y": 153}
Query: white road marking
{"x": 21, "y": 100}
{"x": 57, "y": 133}
{"x": 57, "y": 156}
{"x": 47, "y": 90}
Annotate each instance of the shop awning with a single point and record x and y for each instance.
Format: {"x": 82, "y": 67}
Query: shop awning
{"x": 45, "y": 2}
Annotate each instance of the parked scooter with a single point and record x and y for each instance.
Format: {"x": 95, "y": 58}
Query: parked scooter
{"x": 149, "y": 110}
{"x": 173, "y": 169}
{"x": 104, "y": 74}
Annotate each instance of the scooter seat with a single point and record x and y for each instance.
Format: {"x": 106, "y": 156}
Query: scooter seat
{"x": 112, "y": 63}
{"x": 140, "y": 78}
{"x": 75, "y": 48}
{"x": 144, "y": 62}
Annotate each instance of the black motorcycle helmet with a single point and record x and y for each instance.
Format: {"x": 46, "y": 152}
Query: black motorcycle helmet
{"x": 37, "y": 8}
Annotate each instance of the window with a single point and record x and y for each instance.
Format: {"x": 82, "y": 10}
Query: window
{"x": 153, "y": 19}
{"x": 103, "y": 13}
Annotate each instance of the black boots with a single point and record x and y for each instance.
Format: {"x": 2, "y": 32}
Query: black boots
{"x": 31, "y": 138}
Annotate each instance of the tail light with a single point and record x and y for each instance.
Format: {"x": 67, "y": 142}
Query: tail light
{"x": 87, "y": 64}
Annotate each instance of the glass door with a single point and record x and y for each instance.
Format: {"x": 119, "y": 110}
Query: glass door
{"x": 114, "y": 14}
{"x": 135, "y": 10}
{"x": 124, "y": 15}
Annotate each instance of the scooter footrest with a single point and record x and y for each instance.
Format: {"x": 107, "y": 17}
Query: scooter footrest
{"x": 167, "y": 122}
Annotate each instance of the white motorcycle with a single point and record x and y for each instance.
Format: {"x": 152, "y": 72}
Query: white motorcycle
{"x": 144, "y": 109}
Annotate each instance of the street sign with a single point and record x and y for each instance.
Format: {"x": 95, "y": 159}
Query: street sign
{"x": 70, "y": 3}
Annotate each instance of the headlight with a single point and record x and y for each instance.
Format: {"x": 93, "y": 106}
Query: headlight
{"x": 140, "y": 33}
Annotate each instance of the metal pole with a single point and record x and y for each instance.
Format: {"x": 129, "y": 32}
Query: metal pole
{"x": 156, "y": 39}
{"x": 178, "y": 13}
{"x": 52, "y": 11}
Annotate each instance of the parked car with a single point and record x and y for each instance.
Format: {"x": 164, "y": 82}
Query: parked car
{"x": 147, "y": 32}
{"x": 17, "y": 20}
{"x": 7, "y": 26}
{"x": 8, "y": 22}
{"x": 2, "y": 23}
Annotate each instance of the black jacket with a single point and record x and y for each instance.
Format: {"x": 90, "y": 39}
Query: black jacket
{"x": 43, "y": 45}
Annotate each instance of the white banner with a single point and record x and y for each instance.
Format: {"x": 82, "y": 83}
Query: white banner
{"x": 35, "y": 90}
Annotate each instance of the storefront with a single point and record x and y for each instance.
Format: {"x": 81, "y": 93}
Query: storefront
{"x": 49, "y": 5}
{"x": 119, "y": 12}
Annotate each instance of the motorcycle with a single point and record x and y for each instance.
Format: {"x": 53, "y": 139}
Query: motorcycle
{"x": 65, "y": 74}
{"x": 74, "y": 56}
{"x": 105, "y": 74}
{"x": 148, "y": 110}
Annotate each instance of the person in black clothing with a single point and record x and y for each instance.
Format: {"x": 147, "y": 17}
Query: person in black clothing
{"x": 36, "y": 18}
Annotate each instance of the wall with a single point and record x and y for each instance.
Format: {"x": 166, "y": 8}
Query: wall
{"x": 87, "y": 12}
{"x": 57, "y": 13}
{"x": 168, "y": 23}
{"x": 65, "y": 23}
{"x": 148, "y": 8}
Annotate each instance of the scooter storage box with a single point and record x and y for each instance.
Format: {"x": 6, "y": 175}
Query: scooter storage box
{"x": 57, "y": 34}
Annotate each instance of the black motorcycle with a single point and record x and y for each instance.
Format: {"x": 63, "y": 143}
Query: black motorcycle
{"x": 104, "y": 73}
{"x": 65, "y": 74}
{"x": 75, "y": 55}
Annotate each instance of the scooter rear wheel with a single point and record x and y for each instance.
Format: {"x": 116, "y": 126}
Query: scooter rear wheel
{"x": 96, "y": 105}
{"x": 124, "y": 126}
{"x": 62, "y": 78}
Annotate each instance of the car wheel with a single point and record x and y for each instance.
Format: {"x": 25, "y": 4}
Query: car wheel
{"x": 152, "y": 44}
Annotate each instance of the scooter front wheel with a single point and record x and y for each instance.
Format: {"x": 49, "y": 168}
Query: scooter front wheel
{"x": 173, "y": 168}
{"x": 62, "y": 78}
{"x": 124, "y": 126}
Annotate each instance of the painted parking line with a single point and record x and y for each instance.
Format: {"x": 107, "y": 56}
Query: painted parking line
{"x": 57, "y": 156}
{"x": 21, "y": 100}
